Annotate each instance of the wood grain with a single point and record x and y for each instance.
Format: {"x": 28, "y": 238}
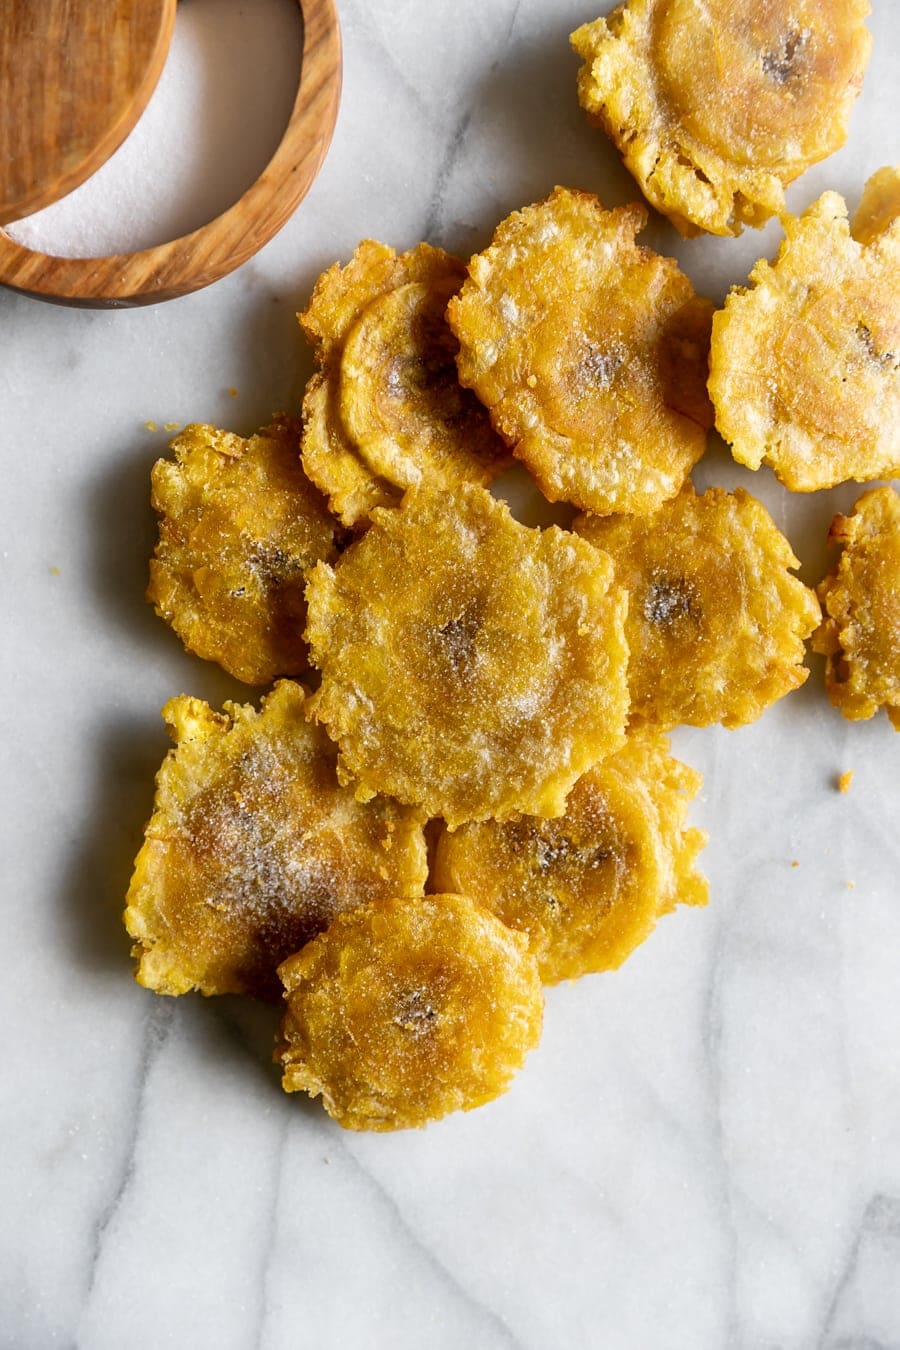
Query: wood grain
{"x": 75, "y": 76}
{"x": 202, "y": 257}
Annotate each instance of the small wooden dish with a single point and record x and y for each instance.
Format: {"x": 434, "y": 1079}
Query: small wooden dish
{"x": 212, "y": 251}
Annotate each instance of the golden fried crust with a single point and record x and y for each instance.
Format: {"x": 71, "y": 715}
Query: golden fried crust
{"x": 240, "y": 527}
{"x": 806, "y": 363}
{"x": 469, "y": 664}
{"x": 387, "y": 409}
{"x": 253, "y": 847}
{"x": 400, "y": 398}
{"x": 331, "y": 461}
{"x": 374, "y": 270}
{"x": 588, "y": 887}
{"x": 805, "y": 368}
{"x": 589, "y": 351}
{"x": 407, "y": 1010}
{"x": 879, "y": 205}
{"x": 716, "y": 105}
{"x": 860, "y": 633}
{"x": 716, "y": 622}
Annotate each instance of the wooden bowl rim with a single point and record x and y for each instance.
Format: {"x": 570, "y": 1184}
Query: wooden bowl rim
{"x": 205, "y": 255}
{"x": 83, "y": 157}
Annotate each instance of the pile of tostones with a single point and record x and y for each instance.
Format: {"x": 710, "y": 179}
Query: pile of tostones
{"x": 475, "y": 796}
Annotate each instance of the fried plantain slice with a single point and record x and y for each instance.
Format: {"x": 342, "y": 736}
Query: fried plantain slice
{"x": 375, "y": 269}
{"x": 332, "y": 463}
{"x": 879, "y": 205}
{"x": 717, "y": 105}
{"x": 469, "y": 664}
{"x": 406, "y": 1010}
{"x": 805, "y": 368}
{"x": 589, "y": 351}
{"x": 716, "y": 623}
{"x": 860, "y": 633}
{"x": 387, "y": 409}
{"x": 589, "y": 886}
{"x": 401, "y": 400}
{"x": 253, "y": 847}
{"x": 240, "y": 526}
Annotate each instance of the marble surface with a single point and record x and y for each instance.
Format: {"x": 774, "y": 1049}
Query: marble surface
{"x": 705, "y": 1150}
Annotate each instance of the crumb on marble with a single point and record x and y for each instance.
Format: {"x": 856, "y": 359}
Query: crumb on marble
{"x": 844, "y": 781}
{"x": 794, "y": 862}
{"x": 151, "y": 426}
{"x": 233, "y": 392}
{"x": 55, "y": 572}
{"x": 172, "y": 426}
{"x": 851, "y": 885}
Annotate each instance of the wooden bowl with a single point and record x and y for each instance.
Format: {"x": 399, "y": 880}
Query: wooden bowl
{"x": 195, "y": 260}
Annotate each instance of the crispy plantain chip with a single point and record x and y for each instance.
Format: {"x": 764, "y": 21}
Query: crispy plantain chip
{"x": 716, "y": 622}
{"x": 717, "y": 105}
{"x": 589, "y": 886}
{"x": 469, "y": 664}
{"x": 254, "y": 846}
{"x": 406, "y": 1010}
{"x": 860, "y": 633}
{"x": 590, "y": 352}
{"x": 331, "y": 461}
{"x": 240, "y": 527}
{"x": 386, "y": 410}
{"x": 805, "y": 369}
{"x": 879, "y": 205}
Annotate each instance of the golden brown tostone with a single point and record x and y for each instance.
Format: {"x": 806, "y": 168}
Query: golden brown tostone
{"x": 716, "y": 622}
{"x": 805, "y": 368}
{"x": 469, "y": 664}
{"x": 386, "y": 410}
{"x": 240, "y": 526}
{"x": 406, "y": 1010}
{"x": 253, "y": 847}
{"x": 879, "y": 205}
{"x": 590, "y": 352}
{"x": 717, "y": 105}
{"x": 860, "y": 633}
{"x": 589, "y": 886}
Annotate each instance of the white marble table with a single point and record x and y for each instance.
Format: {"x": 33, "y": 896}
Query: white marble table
{"x": 705, "y": 1151}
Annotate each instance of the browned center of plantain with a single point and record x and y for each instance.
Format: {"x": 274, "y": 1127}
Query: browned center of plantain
{"x": 254, "y": 877}
{"x": 424, "y": 381}
{"x": 597, "y": 366}
{"x": 273, "y": 566}
{"x": 415, "y": 1013}
{"x": 549, "y": 850}
{"x": 668, "y": 599}
{"x": 885, "y": 359}
{"x": 456, "y": 640}
{"x": 550, "y": 853}
{"x": 786, "y": 61}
